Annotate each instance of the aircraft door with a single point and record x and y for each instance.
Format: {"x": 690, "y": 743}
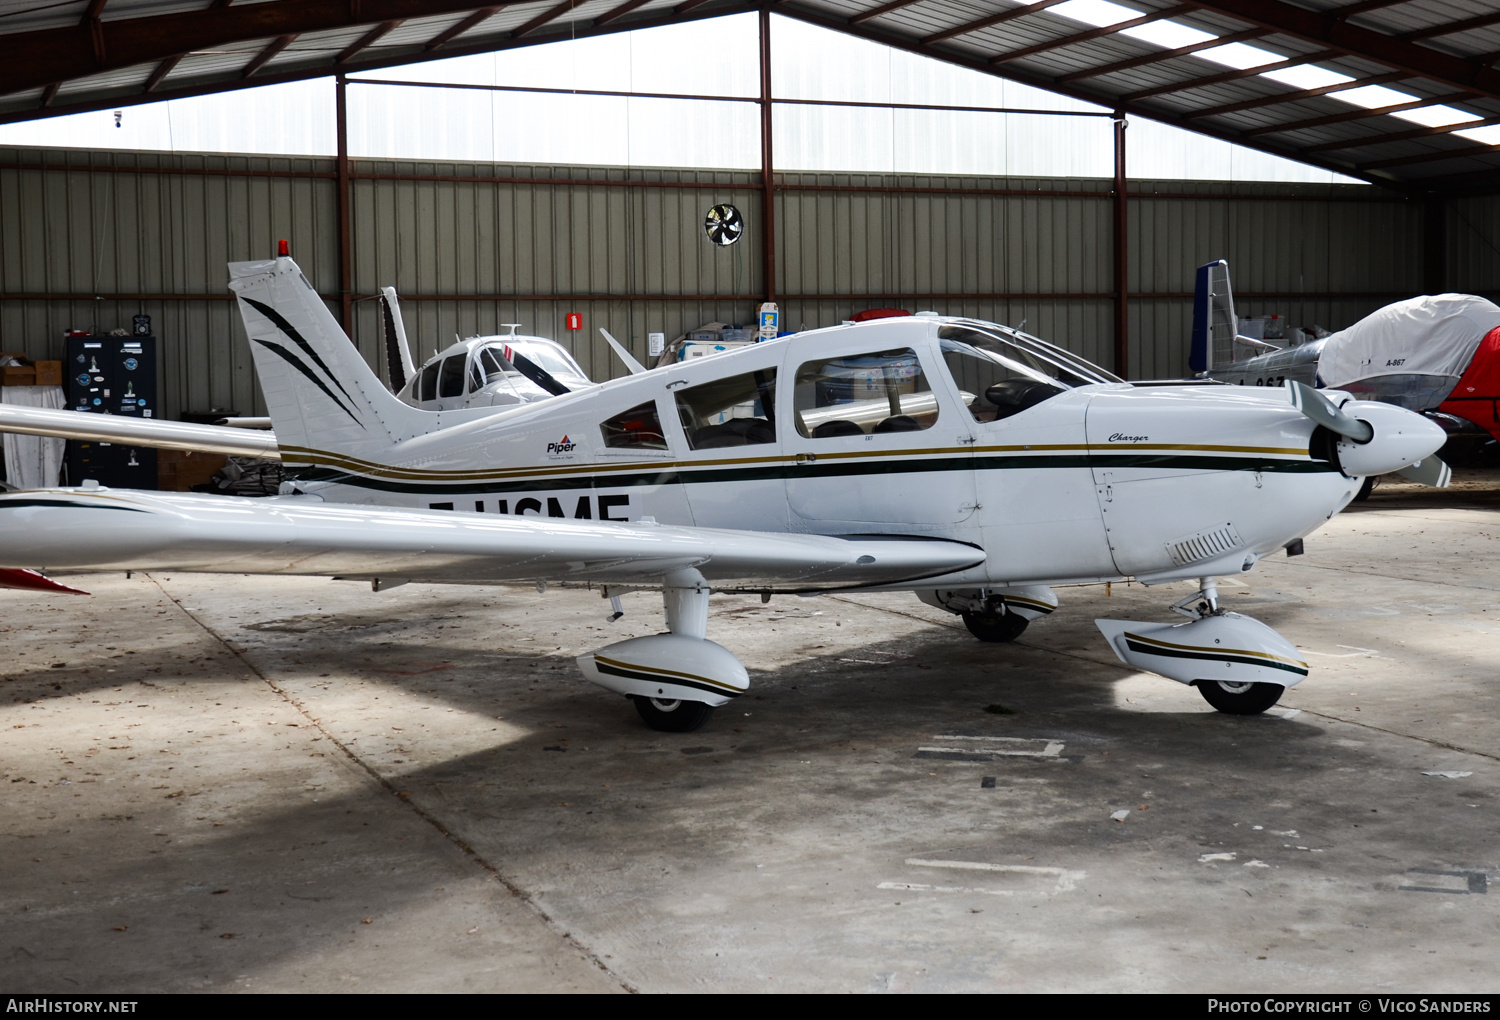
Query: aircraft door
{"x": 875, "y": 438}
{"x": 1031, "y": 468}
{"x": 732, "y": 459}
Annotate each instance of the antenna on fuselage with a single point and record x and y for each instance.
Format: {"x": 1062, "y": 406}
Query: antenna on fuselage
{"x": 636, "y": 368}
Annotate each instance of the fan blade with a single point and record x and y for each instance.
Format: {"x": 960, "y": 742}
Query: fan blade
{"x": 1429, "y": 471}
{"x": 1327, "y": 414}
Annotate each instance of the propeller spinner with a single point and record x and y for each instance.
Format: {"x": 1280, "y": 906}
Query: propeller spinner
{"x": 1383, "y": 438}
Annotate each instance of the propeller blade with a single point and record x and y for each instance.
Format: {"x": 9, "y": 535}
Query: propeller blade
{"x": 1429, "y": 471}
{"x": 1327, "y": 414}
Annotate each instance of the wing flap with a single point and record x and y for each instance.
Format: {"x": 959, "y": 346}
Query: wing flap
{"x": 84, "y": 529}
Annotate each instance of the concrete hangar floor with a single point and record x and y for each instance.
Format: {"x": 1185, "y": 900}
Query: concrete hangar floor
{"x": 256, "y": 784}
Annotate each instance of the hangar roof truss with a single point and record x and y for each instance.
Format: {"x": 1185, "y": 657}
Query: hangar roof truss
{"x": 1403, "y": 93}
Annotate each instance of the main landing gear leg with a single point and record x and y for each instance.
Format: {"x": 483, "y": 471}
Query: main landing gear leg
{"x": 686, "y": 601}
{"x": 676, "y": 679}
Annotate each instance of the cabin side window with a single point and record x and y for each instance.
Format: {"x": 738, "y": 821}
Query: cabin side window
{"x": 636, "y": 429}
{"x": 427, "y": 386}
{"x": 738, "y": 411}
{"x": 863, "y": 394}
{"x": 451, "y": 380}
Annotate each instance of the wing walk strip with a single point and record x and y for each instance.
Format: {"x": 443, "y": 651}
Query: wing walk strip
{"x": 1155, "y": 646}
{"x": 317, "y": 465}
{"x": 656, "y": 674}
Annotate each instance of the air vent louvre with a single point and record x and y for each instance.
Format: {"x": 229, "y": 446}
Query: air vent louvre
{"x": 1205, "y": 545}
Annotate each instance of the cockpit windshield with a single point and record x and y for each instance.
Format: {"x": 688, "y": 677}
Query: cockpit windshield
{"x": 1047, "y": 360}
{"x": 1001, "y": 372}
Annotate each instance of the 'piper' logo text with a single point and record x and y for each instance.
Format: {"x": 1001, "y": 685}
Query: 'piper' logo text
{"x": 563, "y": 445}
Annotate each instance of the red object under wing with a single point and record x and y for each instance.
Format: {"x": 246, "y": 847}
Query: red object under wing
{"x": 32, "y": 581}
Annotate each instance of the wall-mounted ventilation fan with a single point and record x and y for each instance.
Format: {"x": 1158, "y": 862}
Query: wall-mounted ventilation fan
{"x": 723, "y": 225}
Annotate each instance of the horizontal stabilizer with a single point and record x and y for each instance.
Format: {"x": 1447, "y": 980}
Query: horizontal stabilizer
{"x": 128, "y": 530}
{"x": 116, "y": 428}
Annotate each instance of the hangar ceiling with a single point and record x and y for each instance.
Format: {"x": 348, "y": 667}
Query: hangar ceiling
{"x": 1381, "y": 90}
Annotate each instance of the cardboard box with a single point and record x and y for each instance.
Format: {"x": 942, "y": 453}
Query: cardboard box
{"x": 180, "y": 470}
{"x": 49, "y": 373}
{"x": 17, "y": 375}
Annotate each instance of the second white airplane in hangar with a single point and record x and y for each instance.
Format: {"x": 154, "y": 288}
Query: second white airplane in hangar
{"x": 965, "y": 461}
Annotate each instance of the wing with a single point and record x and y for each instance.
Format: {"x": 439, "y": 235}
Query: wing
{"x": 114, "y": 428}
{"x": 95, "y": 529}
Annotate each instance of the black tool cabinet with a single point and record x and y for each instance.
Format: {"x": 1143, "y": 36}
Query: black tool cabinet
{"x": 112, "y": 375}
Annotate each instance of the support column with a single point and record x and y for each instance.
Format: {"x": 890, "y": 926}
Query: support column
{"x": 346, "y": 260}
{"x": 768, "y": 194}
{"x": 1435, "y": 246}
{"x": 1122, "y": 266}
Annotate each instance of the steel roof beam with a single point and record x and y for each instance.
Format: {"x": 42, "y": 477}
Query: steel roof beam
{"x": 620, "y": 11}
{"x": 1474, "y": 149}
{"x": 1223, "y": 76}
{"x": 1350, "y": 10}
{"x": 42, "y": 57}
{"x": 1341, "y": 118}
{"x": 365, "y": 41}
{"x": 1398, "y": 136}
{"x": 875, "y": 12}
{"x": 989, "y": 22}
{"x": 1292, "y": 97}
{"x": 162, "y": 70}
{"x": 1452, "y": 28}
{"x": 458, "y": 29}
{"x": 263, "y": 58}
{"x": 541, "y": 19}
{"x": 1093, "y": 33}
{"x": 1162, "y": 55}
{"x": 1330, "y": 30}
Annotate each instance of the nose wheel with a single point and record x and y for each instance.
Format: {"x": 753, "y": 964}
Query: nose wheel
{"x": 1250, "y": 698}
{"x": 672, "y": 716}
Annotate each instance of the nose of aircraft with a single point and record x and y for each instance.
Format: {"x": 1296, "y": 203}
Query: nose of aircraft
{"x": 1373, "y": 438}
{"x": 1400, "y": 438}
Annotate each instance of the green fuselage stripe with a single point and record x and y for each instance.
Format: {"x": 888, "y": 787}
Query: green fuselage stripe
{"x": 686, "y": 475}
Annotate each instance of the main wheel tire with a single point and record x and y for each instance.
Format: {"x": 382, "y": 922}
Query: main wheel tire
{"x": 995, "y": 626}
{"x": 671, "y": 716}
{"x": 1248, "y": 698}
{"x": 1364, "y": 490}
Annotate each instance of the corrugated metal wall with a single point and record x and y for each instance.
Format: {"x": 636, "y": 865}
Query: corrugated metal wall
{"x": 634, "y": 259}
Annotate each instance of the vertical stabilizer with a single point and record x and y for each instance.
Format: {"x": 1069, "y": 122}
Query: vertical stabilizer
{"x": 322, "y": 396}
{"x": 1214, "y": 324}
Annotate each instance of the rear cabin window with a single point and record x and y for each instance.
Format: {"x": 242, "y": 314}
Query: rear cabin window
{"x": 636, "y": 429}
{"x": 865, "y": 394}
{"x": 738, "y": 411}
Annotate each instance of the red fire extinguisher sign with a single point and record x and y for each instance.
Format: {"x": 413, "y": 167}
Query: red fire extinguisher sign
{"x": 575, "y": 320}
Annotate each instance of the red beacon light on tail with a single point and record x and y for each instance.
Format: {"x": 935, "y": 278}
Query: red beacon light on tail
{"x": 283, "y": 250}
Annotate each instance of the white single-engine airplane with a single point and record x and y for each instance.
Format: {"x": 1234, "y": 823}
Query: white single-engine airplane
{"x": 965, "y": 461}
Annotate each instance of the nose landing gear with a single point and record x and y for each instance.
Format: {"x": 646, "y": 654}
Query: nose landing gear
{"x": 1239, "y": 665}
